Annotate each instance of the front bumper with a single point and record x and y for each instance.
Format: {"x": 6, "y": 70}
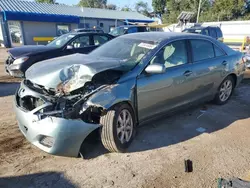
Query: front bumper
{"x": 67, "y": 135}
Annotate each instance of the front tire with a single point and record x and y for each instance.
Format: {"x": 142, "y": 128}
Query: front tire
{"x": 118, "y": 128}
{"x": 225, "y": 91}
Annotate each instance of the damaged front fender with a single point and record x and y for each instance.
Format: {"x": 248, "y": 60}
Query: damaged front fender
{"x": 114, "y": 94}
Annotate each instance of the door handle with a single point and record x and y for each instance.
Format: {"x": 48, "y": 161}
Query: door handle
{"x": 188, "y": 73}
{"x": 224, "y": 63}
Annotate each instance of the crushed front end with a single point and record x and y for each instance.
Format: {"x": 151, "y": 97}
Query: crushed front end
{"x": 57, "y": 124}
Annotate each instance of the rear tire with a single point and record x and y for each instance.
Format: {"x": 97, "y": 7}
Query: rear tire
{"x": 118, "y": 128}
{"x": 225, "y": 91}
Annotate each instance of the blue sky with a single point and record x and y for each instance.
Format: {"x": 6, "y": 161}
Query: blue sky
{"x": 119, "y": 3}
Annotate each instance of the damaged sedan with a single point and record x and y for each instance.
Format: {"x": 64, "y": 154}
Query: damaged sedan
{"x": 120, "y": 85}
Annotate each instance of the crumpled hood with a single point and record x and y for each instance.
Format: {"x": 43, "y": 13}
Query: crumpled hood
{"x": 50, "y": 73}
{"x": 29, "y": 49}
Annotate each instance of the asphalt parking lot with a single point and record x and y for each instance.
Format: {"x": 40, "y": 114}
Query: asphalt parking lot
{"x": 215, "y": 138}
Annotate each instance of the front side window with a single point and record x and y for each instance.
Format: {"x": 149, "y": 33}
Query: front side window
{"x": 100, "y": 39}
{"x": 172, "y": 55}
{"x": 202, "y": 50}
{"x": 80, "y": 42}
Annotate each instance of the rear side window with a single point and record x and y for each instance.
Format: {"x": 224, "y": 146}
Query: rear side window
{"x": 218, "y": 52}
{"x": 213, "y": 33}
{"x": 100, "y": 39}
{"x": 202, "y": 50}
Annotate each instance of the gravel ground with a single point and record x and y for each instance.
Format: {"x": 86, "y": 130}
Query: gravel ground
{"x": 155, "y": 159}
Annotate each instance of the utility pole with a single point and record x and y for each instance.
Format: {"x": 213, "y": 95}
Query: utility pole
{"x": 198, "y": 14}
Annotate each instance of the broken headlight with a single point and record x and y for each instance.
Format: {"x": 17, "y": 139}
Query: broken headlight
{"x": 73, "y": 78}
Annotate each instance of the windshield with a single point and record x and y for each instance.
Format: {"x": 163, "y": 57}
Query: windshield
{"x": 197, "y": 31}
{"x": 118, "y": 31}
{"x": 61, "y": 41}
{"x": 128, "y": 50}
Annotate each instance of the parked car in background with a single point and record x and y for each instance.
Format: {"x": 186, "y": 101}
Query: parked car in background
{"x": 126, "y": 29}
{"x": 214, "y": 32}
{"x": 89, "y": 30}
{"x": 120, "y": 85}
{"x": 21, "y": 58}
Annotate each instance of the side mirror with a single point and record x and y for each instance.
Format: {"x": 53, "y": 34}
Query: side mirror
{"x": 155, "y": 69}
{"x": 69, "y": 47}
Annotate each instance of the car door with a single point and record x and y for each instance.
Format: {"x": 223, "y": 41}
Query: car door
{"x": 209, "y": 65}
{"x": 158, "y": 93}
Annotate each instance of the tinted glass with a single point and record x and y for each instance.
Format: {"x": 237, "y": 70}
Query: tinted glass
{"x": 213, "y": 33}
{"x": 202, "y": 50}
{"x": 218, "y": 51}
{"x": 100, "y": 39}
{"x": 219, "y": 32}
{"x": 173, "y": 54}
{"x": 80, "y": 42}
{"x": 141, "y": 29}
{"x": 132, "y": 30}
{"x": 197, "y": 31}
{"x": 205, "y": 32}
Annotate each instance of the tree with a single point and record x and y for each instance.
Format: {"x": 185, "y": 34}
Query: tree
{"x": 142, "y": 7}
{"x": 126, "y": 9}
{"x": 111, "y": 6}
{"x": 159, "y": 6}
{"x": 46, "y": 1}
{"x": 93, "y": 3}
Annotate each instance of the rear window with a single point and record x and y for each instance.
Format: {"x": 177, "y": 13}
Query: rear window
{"x": 197, "y": 31}
{"x": 219, "y": 32}
{"x": 213, "y": 33}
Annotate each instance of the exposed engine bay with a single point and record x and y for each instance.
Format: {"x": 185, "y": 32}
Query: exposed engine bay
{"x": 69, "y": 103}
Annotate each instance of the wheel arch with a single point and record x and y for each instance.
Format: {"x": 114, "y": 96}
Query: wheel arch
{"x": 233, "y": 75}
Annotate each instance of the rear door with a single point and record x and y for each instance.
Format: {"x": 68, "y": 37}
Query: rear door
{"x": 157, "y": 93}
{"x": 209, "y": 66}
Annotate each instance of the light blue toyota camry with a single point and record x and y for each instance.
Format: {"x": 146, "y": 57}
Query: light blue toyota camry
{"x": 120, "y": 85}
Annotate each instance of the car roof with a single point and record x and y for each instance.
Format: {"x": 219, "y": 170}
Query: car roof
{"x": 162, "y": 36}
{"x": 132, "y": 26}
{"x": 202, "y": 27}
{"x": 92, "y": 29}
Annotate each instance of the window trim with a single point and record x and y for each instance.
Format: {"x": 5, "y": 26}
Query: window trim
{"x": 215, "y": 57}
